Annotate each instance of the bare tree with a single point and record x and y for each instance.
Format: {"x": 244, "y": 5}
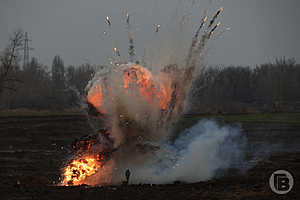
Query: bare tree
{"x": 9, "y": 60}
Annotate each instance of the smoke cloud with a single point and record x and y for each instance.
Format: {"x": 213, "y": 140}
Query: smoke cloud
{"x": 196, "y": 155}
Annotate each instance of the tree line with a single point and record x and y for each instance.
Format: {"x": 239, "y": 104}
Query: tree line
{"x": 36, "y": 86}
{"x": 272, "y": 87}
{"x": 43, "y": 87}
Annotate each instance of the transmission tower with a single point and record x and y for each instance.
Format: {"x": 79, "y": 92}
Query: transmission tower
{"x": 27, "y": 50}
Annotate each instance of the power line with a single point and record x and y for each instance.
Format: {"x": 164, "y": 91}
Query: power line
{"x": 27, "y": 50}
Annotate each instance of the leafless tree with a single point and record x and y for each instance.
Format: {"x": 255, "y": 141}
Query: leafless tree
{"x": 9, "y": 59}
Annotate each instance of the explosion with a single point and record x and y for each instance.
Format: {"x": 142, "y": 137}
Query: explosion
{"x": 139, "y": 108}
{"x": 139, "y": 77}
{"x": 78, "y": 170}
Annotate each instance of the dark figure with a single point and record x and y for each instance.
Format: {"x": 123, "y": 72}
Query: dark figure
{"x": 127, "y": 174}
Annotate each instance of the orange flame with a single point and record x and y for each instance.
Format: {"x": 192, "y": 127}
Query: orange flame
{"x": 143, "y": 79}
{"x": 95, "y": 97}
{"x": 151, "y": 89}
{"x": 79, "y": 169}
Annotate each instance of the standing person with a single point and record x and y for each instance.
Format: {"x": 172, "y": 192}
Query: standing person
{"x": 127, "y": 174}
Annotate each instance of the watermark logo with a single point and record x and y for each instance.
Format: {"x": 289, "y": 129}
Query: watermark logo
{"x": 281, "y": 182}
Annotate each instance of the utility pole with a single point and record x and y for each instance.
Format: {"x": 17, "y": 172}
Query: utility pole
{"x": 27, "y": 50}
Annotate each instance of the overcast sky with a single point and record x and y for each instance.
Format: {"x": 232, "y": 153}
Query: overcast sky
{"x": 261, "y": 30}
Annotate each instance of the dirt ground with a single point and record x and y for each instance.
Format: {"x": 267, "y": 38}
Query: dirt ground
{"x": 34, "y": 149}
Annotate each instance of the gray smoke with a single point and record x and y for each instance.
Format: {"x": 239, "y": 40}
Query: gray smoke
{"x": 196, "y": 155}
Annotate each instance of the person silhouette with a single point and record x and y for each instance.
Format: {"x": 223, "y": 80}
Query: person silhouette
{"x": 127, "y": 174}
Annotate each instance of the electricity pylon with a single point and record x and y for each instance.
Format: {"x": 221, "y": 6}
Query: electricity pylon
{"x": 27, "y": 50}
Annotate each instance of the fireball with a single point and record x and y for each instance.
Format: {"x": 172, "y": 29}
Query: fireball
{"x": 151, "y": 88}
{"x": 79, "y": 170}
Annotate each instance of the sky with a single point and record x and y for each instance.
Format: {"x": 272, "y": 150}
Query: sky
{"x": 260, "y": 30}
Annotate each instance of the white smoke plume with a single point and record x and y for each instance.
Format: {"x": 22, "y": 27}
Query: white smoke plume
{"x": 196, "y": 155}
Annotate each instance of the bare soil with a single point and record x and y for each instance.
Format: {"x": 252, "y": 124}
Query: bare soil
{"x": 34, "y": 149}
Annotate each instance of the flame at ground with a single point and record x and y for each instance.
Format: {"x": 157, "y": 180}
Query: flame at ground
{"x": 79, "y": 169}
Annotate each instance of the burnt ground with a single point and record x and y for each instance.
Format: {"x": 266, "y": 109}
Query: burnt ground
{"x": 34, "y": 149}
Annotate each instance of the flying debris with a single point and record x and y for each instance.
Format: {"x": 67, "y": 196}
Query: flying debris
{"x": 157, "y": 27}
{"x": 220, "y": 10}
{"x": 203, "y": 21}
{"x": 195, "y": 38}
{"x": 131, "y": 49}
{"x": 117, "y": 52}
{"x": 215, "y": 17}
{"x": 127, "y": 18}
{"x": 105, "y": 33}
{"x": 215, "y": 27}
{"x": 198, "y": 44}
{"x": 107, "y": 20}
